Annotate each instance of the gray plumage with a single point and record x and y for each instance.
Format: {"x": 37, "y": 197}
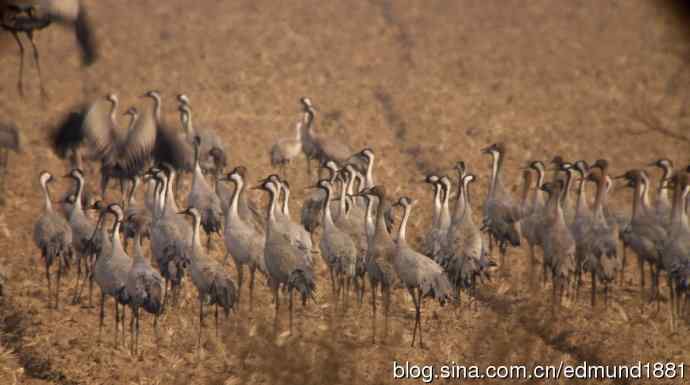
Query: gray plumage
{"x": 112, "y": 265}
{"x": 380, "y": 254}
{"x": 53, "y": 236}
{"x": 501, "y": 214}
{"x": 244, "y": 241}
{"x": 559, "y": 245}
{"x": 287, "y": 149}
{"x": 464, "y": 258}
{"x": 171, "y": 236}
{"x": 86, "y": 244}
{"x": 285, "y": 262}
{"x": 212, "y": 152}
{"x": 214, "y": 285}
{"x": 338, "y": 249}
{"x": 204, "y": 199}
{"x": 419, "y": 274}
{"x": 144, "y": 290}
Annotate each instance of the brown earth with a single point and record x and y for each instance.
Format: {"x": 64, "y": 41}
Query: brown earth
{"x": 423, "y": 83}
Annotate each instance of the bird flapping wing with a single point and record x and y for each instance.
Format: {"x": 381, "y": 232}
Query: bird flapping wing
{"x": 139, "y": 143}
{"x": 97, "y": 129}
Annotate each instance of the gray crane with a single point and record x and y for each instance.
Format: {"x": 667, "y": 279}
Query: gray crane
{"x": 212, "y": 153}
{"x": 321, "y": 147}
{"x": 532, "y": 223}
{"x": 647, "y": 237}
{"x": 171, "y": 236}
{"x": 287, "y": 149}
{"x": 137, "y": 216}
{"x": 204, "y": 199}
{"x": 337, "y": 247}
{"x": 662, "y": 205}
{"x": 380, "y": 254}
{"x": 29, "y": 16}
{"x": 212, "y": 282}
{"x": 285, "y": 262}
{"x": 122, "y": 155}
{"x": 432, "y": 241}
{"x": 53, "y": 236}
{"x": 112, "y": 265}
{"x": 86, "y": 245}
{"x": 11, "y": 139}
{"x": 310, "y": 216}
{"x": 301, "y": 237}
{"x": 601, "y": 257}
{"x": 244, "y": 241}
{"x": 464, "y": 258}
{"x": 419, "y": 274}
{"x": 501, "y": 214}
{"x": 559, "y": 245}
{"x": 675, "y": 257}
{"x": 143, "y": 287}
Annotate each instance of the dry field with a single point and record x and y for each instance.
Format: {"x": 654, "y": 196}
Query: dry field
{"x": 424, "y": 83}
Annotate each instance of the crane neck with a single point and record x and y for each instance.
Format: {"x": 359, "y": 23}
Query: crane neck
{"x": 48, "y": 205}
{"x": 170, "y": 203}
{"x": 381, "y": 231}
{"x": 327, "y": 215}
{"x": 286, "y": 204}
{"x": 157, "y": 108}
{"x": 113, "y": 112}
{"x": 80, "y": 191}
{"x": 437, "y": 206}
{"x": 271, "y": 207}
{"x": 600, "y": 198}
{"x": 196, "y": 243}
{"x": 116, "y": 241}
{"x": 138, "y": 252}
{"x": 565, "y": 194}
{"x": 581, "y": 196}
{"x": 402, "y": 232}
{"x": 298, "y": 131}
{"x": 370, "y": 171}
{"x": 496, "y": 163}
{"x": 234, "y": 201}
{"x": 637, "y": 194}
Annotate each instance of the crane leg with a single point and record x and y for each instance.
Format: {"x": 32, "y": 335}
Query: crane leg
{"x": 252, "y": 275}
{"x": 20, "y": 83}
{"x": 37, "y": 61}
{"x": 240, "y": 279}
{"x": 102, "y": 316}
{"x": 57, "y": 283}
{"x": 640, "y": 264}
{"x": 416, "y": 316}
{"x": 45, "y": 258}
{"x": 373, "y": 309}
{"x": 594, "y": 289}
{"x": 290, "y": 308}
{"x": 419, "y": 316}
{"x": 201, "y": 320}
{"x": 117, "y": 321}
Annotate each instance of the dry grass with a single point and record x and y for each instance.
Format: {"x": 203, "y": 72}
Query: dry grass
{"x": 424, "y": 84}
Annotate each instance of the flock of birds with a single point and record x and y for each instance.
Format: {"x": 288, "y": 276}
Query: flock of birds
{"x": 358, "y": 241}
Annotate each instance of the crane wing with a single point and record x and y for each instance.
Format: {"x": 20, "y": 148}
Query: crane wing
{"x": 139, "y": 142}
{"x": 97, "y": 129}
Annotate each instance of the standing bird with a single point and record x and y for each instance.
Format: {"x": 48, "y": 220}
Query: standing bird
{"x": 419, "y": 274}
{"x": 86, "y": 244}
{"x": 144, "y": 291}
{"x": 465, "y": 257}
{"x": 432, "y": 242}
{"x": 337, "y": 247}
{"x": 10, "y": 139}
{"x": 22, "y": 16}
{"x": 321, "y": 147}
{"x": 285, "y": 262}
{"x": 662, "y": 205}
{"x": 244, "y": 241}
{"x": 287, "y": 149}
{"x": 501, "y": 214}
{"x": 559, "y": 245}
{"x": 382, "y": 251}
{"x": 532, "y": 224}
{"x": 310, "y": 215}
{"x": 53, "y": 236}
{"x": 212, "y": 282}
{"x": 204, "y": 199}
{"x": 111, "y": 267}
{"x": 212, "y": 154}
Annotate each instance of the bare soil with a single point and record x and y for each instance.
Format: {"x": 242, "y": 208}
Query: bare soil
{"x": 423, "y": 83}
